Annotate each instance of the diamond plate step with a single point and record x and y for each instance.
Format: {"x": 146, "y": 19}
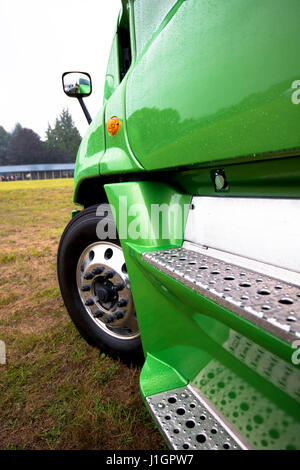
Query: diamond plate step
{"x": 268, "y": 302}
{"x": 188, "y": 421}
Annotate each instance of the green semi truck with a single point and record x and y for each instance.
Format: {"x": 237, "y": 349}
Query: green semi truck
{"x": 186, "y": 252}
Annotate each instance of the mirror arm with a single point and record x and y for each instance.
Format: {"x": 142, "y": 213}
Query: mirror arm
{"x": 84, "y": 109}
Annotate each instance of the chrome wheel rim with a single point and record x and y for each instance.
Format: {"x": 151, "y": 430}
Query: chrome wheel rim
{"x": 105, "y": 292}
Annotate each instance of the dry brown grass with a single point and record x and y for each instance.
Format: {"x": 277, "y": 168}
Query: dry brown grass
{"x": 56, "y": 392}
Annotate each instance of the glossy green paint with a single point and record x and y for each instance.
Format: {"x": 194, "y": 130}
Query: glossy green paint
{"x": 158, "y": 375}
{"x": 215, "y": 82}
{"x": 118, "y": 157}
{"x": 112, "y": 77}
{"x": 187, "y": 337}
{"x": 275, "y": 177}
{"x": 90, "y": 152}
{"x": 148, "y": 16}
{"x": 133, "y": 203}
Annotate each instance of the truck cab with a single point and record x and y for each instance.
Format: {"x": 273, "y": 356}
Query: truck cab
{"x": 185, "y": 253}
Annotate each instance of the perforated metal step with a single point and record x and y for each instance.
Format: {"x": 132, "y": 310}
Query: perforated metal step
{"x": 189, "y": 421}
{"x": 268, "y": 302}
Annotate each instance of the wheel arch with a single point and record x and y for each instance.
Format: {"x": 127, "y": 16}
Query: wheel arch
{"x": 90, "y": 191}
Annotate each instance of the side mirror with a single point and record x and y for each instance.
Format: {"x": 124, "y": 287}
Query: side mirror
{"x": 77, "y": 84}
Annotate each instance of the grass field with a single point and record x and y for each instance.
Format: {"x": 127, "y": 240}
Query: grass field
{"x": 56, "y": 392}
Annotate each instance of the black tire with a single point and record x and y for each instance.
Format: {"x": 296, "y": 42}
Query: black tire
{"x": 77, "y": 236}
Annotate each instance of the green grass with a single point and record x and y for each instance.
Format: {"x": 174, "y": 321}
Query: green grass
{"x": 8, "y": 299}
{"x": 36, "y": 184}
{"x": 57, "y": 392}
{"x": 8, "y": 258}
{"x": 48, "y": 293}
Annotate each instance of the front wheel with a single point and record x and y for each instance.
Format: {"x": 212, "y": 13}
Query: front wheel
{"x": 95, "y": 287}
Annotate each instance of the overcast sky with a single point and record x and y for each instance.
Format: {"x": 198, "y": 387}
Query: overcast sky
{"x": 40, "y": 40}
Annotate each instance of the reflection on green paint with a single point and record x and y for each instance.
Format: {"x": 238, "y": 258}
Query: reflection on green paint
{"x": 262, "y": 422}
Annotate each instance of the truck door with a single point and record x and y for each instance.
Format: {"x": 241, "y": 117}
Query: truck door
{"x": 213, "y": 80}
{"x": 118, "y": 157}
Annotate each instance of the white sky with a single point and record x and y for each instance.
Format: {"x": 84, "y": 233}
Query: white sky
{"x": 40, "y": 40}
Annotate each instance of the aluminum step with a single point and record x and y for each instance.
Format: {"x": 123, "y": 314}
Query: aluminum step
{"x": 268, "y": 302}
{"x": 189, "y": 422}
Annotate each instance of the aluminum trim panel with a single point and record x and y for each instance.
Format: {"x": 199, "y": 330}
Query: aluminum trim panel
{"x": 263, "y": 229}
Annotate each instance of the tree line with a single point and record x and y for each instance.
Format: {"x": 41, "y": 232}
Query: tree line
{"x": 24, "y": 146}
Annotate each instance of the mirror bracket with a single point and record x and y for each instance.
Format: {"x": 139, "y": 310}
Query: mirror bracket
{"x": 84, "y": 109}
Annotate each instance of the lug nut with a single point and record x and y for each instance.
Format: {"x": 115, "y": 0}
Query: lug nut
{"x": 99, "y": 270}
{"x": 99, "y": 314}
{"x": 89, "y": 302}
{"x": 120, "y": 314}
{"x": 89, "y": 276}
{"x": 86, "y": 288}
{"x": 109, "y": 318}
{"x": 120, "y": 286}
{"x": 109, "y": 275}
{"x": 122, "y": 303}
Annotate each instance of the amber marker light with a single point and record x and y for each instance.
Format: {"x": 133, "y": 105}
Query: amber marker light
{"x": 113, "y": 125}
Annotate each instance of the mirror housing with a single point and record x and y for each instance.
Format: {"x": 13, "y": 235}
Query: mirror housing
{"x": 77, "y": 84}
